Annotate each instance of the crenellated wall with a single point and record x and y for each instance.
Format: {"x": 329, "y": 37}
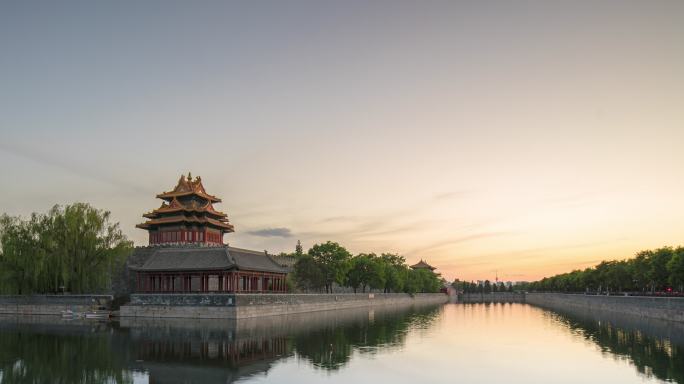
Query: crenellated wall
{"x": 247, "y": 306}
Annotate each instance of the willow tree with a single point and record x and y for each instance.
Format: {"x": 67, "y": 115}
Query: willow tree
{"x": 75, "y": 248}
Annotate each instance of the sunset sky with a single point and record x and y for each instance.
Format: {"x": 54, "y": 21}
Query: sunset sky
{"x": 524, "y": 137}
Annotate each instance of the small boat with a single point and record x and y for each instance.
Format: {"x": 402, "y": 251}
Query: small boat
{"x": 69, "y": 314}
{"x": 98, "y": 315}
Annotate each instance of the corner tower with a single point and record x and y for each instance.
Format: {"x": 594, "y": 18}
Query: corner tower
{"x": 187, "y": 216}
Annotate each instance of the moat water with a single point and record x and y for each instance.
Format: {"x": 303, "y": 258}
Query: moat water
{"x": 452, "y": 343}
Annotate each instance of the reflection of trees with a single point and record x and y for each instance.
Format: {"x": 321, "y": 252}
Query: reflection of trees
{"x": 330, "y": 347}
{"x": 45, "y": 350}
{"x": 27, "y": 357}
{"x": 651, "y": 355}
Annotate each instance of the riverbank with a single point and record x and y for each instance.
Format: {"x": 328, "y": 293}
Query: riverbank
{"x": 245, "y": 306}
{"x": 662, "y": 308}
{"x": 51, "y": 304}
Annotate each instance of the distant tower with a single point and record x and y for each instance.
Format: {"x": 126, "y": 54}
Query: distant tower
{"x": 423, "y": 265}
{"x": 187, "y": 216}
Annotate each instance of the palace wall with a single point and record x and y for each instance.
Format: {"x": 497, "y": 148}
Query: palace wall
{"x": 245, "y": 306}
{"x": 51, "y": 304}
{"x": 663, "y": 308}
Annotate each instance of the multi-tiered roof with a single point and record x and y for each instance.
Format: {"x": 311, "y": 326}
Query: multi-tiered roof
{"x": 187, "y": 215}
{"x": 423, "y": 265}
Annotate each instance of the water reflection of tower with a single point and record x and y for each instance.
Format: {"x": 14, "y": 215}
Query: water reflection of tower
{"x": 208, "y": 352}
{"x": 233, "y": 352}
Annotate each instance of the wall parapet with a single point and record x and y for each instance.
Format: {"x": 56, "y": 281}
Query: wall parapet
{"x": 185, "y": 299}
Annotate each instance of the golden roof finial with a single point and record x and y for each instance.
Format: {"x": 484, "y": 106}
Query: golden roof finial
{"x": 189, "y": 176}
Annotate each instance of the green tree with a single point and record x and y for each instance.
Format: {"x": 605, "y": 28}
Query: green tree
{"x": 75, "y": 248}
{"x": 657, "y": 272}
{"x": 365, "y": 270}
{"x": 299, "y": 250}
{"x": 395, "y": 272}
{"x": 333, "y": 260}
{"x": 487, "y": 287}
{"x": 639, "y": 267}
{"x": 308, "y": 274}
{"x": 422, "y": 280}
{"x": 356, "y": 272}
{"x": 676, "y": 269}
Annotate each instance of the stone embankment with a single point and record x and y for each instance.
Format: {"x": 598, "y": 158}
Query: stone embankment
{"x": 51, "y": 304}
{"x": 245, "y": 306}
{"x": 663, "y": 308}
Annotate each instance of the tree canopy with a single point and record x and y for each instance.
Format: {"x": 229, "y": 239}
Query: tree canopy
{"x": 333, "y": 260}
{"x": 648, "y": 271}
{"x": 74, "y": 248}
{"x": 329, "y": 262}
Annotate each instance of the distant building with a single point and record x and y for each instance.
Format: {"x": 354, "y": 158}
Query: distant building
{"x": 186, "y": 252}
{"x": 423, "y": 265}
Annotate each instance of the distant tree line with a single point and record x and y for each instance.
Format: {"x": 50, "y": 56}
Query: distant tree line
{"x": 74, "y": 249}
{"x": 648, "y": 272}
{"x": 330, "y": 263}
{"x": 483, "y": 287}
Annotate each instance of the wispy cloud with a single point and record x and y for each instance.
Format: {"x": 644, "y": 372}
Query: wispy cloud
{"x": 77, "y": 168}
{"x": 271, "y": 232}
{"x": 335, "y": 219}
{"x": 459, "y": 240}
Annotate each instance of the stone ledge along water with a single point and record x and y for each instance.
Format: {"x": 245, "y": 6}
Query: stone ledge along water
{"x": 663, "y": 308}
{"x": 51, "y": 304}
{"x": 244, "y": 306}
